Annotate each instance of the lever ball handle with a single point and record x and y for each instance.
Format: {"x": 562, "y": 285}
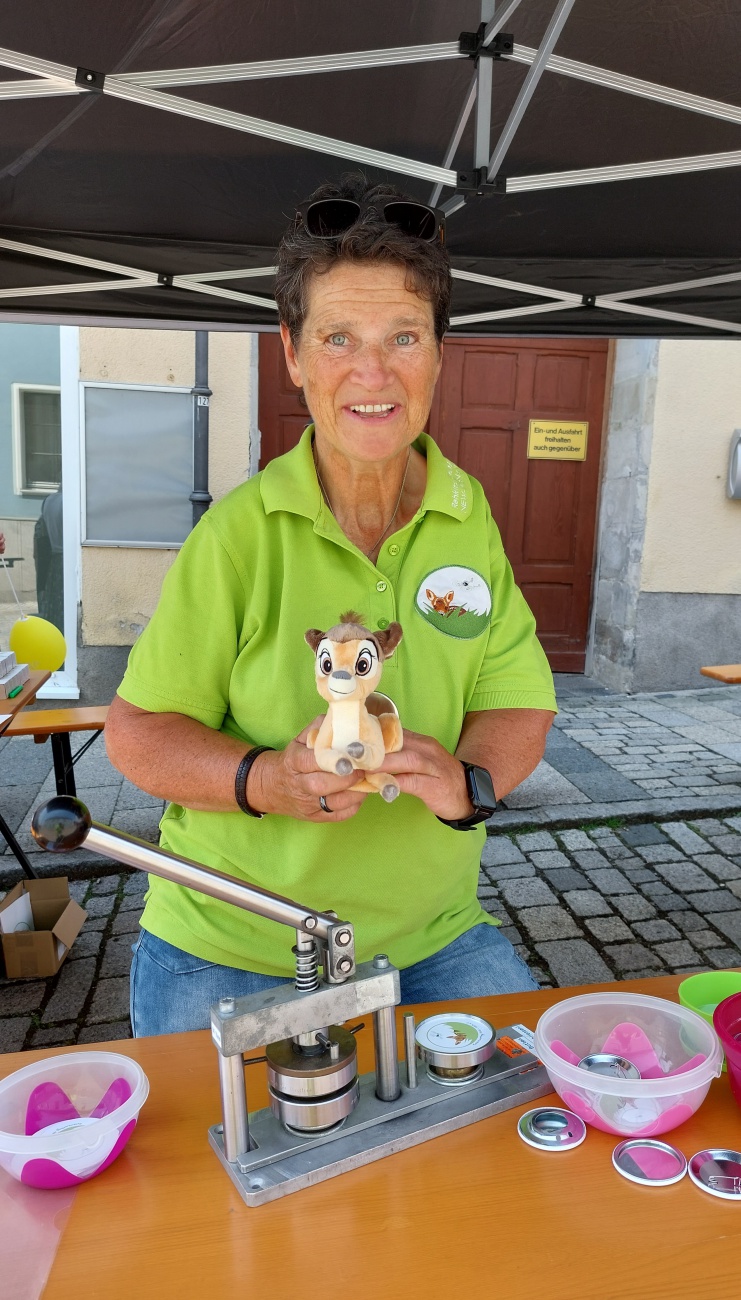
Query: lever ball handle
{"x": 61, "y": 824}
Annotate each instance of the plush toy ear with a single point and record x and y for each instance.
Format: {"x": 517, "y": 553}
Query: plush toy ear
{"x": 389, "y": 639}
{"x": 313, "y": 637}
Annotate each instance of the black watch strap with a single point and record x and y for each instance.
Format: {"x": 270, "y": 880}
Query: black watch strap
{"x": 240, "y": 780}
{"x": 481, "y": 793}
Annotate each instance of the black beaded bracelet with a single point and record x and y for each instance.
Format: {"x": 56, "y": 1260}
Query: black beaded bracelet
{"x": 240, "y": 780}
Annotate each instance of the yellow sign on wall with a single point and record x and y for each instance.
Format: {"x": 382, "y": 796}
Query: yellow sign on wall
{"x": 557, "y": 440}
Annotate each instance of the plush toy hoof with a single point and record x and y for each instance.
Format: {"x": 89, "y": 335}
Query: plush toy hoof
{"x": 343, "y": 767}
{"x": 389, "y": 793}
{"x": 356, "y": 749}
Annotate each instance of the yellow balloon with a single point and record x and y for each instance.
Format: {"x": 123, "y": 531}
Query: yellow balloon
{"x": 38, "y": 643}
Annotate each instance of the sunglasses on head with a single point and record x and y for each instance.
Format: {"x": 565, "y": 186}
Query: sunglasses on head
{"x": 329, "y": 218}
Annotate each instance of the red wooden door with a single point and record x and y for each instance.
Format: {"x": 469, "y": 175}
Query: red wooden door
{"x": 489, "y": 390}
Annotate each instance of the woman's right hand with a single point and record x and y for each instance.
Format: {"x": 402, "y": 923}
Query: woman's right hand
{"x": 289, "y": 782}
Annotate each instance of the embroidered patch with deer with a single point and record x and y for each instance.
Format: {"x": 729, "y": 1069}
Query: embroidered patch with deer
{"x": 455, "y": 600}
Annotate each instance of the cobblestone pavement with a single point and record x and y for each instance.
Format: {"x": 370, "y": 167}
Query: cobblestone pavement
{"x": 654, "y": 756}
{"x": 581, "y": 905}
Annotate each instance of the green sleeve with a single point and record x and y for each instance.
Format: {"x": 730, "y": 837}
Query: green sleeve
{"x": 183, "y": 660}
{"x": 514, "y": 673}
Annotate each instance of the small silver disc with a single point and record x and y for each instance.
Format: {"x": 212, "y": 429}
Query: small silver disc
{"x": 551, "y": 1129}
{"x": 609, "y": 1065}
{"x": 646, "y": 1161}
{"x": 717, "y": 1172}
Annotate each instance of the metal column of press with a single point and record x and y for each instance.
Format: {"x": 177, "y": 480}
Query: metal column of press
{"x": 200, "y": 496}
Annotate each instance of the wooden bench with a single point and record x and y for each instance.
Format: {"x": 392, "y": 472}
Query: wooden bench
{"x": 728, "y": 673}
{"x": 58, "y": 724}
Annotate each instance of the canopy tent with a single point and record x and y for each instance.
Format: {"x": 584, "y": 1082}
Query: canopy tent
{"x": 586, "y": 154}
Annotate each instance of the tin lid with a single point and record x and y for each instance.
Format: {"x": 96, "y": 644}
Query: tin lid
{"x": 717, "y": 1172}
{"x": 610, "y": 1065}
{"x": 550, "y": 1129}
{"x": 453, "y": 1033}
{"x": 644, "y": 1160}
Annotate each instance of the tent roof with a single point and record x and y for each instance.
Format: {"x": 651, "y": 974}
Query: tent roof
{"x": 215, "y": 118}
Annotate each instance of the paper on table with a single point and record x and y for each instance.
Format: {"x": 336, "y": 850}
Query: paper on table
{"x": 32, "y": 1224}
{"x": 18, "y": 916}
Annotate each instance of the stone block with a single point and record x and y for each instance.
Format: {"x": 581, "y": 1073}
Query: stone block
{"x": 512, "y": 933}
{"x": 672, "y": 902}
{"x": 20, "y": 996}
{"x": 686, "y": 876}
{"x": 566, "y": 878}
{"x": 549, "y": 860}
{"x": 574, "y": 961}
{"x": 608, "y": 929}
{"x": 706, "y": 939}
{"x": 74, "y": 982}
{"x": 514, "y": 871}
{"x": 106, "y": 884}
{"x": 729, "y": 924}
{"x": 111, "y": 1000}
{"x": 548, "y": 923}
{"x": 116, "y": 957}
{"x": 137, "y": 882}
{"x": 727, "y": 843}
{"x": 611, "y": 881}
{"x": 142, "y": 822}
{"x": 656, "y": 931}
{"x": 633, "y": 907}
{"x": 587, "y": 902}
{"x": 716, "y": 900}
{"x": 533, "y": 842}
{"x": 87, "y": 944}
{"x": 638, "y": 875}
{"x": 678, "y": 953}
{"x": 591, "y": 860}
{"x": 660, "y": 853}
{"x": 527, "y": 893}
{"x": 724, "y": 958}
{"x": 498, "y": 851}
{"x": 113, "y": 1032}
{"x": 55, "y": 1036}
{"x": 720, "y": 868}
{"x": 632, "y": 957}
{"x": 642, "y": 834}
{"x": 126, "y": 922}
{"x": 13, "y": 1030}
{"x": 103, "y": 905}
{"x": 575, "y": 840}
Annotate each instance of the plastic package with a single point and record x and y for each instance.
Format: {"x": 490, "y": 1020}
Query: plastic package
{"x": 67, "y": 1118}
{"x": 685, "y": 1056}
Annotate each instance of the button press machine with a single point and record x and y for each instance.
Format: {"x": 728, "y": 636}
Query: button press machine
{"x": 323, "y": 1118}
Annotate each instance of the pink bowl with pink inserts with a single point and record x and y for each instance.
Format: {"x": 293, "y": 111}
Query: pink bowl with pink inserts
{"x": 66, "y": 1119}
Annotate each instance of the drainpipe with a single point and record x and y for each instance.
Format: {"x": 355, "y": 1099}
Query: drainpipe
{"x": 200, "y": 496}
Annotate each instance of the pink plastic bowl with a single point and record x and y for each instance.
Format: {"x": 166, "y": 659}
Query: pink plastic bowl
{"x": 685, "y": 1048}
{"x": 66, "y": 1119}
{"x": 727, "y": 1025}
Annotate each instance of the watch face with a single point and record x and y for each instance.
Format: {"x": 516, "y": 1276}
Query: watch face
{"x": 481, "y": 791}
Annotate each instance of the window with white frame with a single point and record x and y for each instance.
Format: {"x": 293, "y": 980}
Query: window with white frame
{"x": 37, "y": 439}
{"x": 137, "y": 448}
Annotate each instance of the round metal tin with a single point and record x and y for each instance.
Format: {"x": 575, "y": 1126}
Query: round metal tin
{"x": 454, "y": 1040}
{"x": 651, "y": 1163}
{"x": 718, "y": 1172}
{"x": 551, "y": 1129}
{"x": 609, "y": 1065}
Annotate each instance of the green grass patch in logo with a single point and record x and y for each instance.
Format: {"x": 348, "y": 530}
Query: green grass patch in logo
{"x": 465, "y": 626}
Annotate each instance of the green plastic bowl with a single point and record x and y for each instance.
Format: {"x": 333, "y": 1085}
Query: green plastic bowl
{"x": 702, "y": 993}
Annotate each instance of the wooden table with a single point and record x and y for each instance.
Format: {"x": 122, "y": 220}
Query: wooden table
{"x": 8, "y": 709}
{"x": 474, "y": 1213}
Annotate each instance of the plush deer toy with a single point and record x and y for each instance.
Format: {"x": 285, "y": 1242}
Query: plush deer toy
{"x": 360, "y": 726}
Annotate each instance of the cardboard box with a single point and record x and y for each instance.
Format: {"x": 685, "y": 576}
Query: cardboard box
{"x": 58, "y": 920}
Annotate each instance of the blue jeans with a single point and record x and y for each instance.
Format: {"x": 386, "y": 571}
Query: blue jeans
{"x": 172, "y": 992}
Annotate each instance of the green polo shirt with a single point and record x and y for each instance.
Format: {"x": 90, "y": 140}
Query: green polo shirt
{"x": 226, "y": 647}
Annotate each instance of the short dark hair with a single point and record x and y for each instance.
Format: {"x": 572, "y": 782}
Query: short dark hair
{"x": 301, "y": 255}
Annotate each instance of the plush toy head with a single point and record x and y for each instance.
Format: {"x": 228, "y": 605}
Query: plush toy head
{"x": 349, "y": 657}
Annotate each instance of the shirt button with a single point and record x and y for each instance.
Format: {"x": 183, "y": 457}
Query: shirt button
{"x": 381, "y": 586}
{"x": 382, "y": 624}
{"x": 393, "y": 549}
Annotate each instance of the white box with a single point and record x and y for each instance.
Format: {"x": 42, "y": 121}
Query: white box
{"x": 7, "y": 661}
{"x": 16, "y": 677}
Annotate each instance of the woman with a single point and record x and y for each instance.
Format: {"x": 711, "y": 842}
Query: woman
{"x": 366, "y": 514}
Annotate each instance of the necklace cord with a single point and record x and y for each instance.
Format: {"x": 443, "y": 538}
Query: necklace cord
{"x": 325, "y": 494}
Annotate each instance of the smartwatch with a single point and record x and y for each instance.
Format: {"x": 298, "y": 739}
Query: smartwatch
{"x": 481, "y": 793}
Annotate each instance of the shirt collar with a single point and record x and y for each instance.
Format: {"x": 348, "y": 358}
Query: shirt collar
{"x": 289, "y": 482}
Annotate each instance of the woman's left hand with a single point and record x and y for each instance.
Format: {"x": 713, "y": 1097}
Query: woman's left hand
{"x": 425, "y": 768}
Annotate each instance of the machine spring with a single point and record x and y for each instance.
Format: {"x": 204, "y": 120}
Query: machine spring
{"x": 307, "y": 968}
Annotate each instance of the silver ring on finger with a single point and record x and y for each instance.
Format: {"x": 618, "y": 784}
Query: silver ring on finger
{"x": 324, "y": 805}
